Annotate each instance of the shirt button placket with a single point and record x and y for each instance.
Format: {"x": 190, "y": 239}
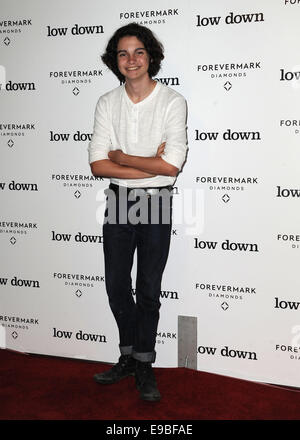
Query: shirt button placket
{"x": 135, "y": 119}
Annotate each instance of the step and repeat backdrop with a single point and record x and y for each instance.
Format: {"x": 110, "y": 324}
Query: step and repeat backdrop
{"x": 234, "y": 260}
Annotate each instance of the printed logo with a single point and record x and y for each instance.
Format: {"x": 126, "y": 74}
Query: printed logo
{"x": 19, "y": 282}
{"x": 289, "y": 76}
{"x": 65, "y": 137}
{"x": 292, "y": 2}
{"x": 18, "y": 186}
{"x": 17, "y": 228}
{"x": 78, "y": 181}
{"x": 78, "y": 280}
{"x": 226, "y": 245}
{"x": 228, "y": 352}
{"x": 171, "y": 82}
{"x": 226, "y": 184}
{"x": 76, "y": 78}
{"x": 10, "y": 29}
{"x": 163, "y": 337}
{"x": 231, "y": 18}
{"x": 79, "y": 335}
{"x": 17, "y": 322}
{"x": 293, "y": 125}
{"x": 11, "y": 86}
{"x": 292, "y": 348}
{"x": 224, "y": 292}
{"x": 74, "y": 30}
{"x": 284, "y": 304}
{"x": 164, "y": 294}
{"x": 228, "y": 135}
{"x": 292, "y": 240}
{"x": 11, "y": 132}
{"x": 149, "y": 17}
{"x": 77, "y": 238}
{"x": 229, "y": 71}
{"x": 288, "y": 192}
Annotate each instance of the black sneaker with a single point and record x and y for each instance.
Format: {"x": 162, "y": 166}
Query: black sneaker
{"x": 146, "y": 382}
{"x": 125, "y": 367}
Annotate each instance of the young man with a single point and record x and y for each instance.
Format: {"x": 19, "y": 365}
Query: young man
{"x": 139, "y": 142}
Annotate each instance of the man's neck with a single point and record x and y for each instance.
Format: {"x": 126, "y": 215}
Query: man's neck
{"x": 137, "y": 90}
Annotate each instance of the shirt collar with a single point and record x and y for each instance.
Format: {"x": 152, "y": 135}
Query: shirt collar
{"x": 144, "y": 101}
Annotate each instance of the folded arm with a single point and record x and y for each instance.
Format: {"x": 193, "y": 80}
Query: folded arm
{"x": 152, "y": 165}
{"x": 111, "y": 168}
{"x": 108, "y": 168}
{"x": 106, "y": 162}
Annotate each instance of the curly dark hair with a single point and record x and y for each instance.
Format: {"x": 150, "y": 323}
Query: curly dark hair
{"x": 154, "y": 48}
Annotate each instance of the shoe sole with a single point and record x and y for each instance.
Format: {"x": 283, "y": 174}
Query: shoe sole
{"x": 107, "y": 382}
{"x": 151, "y": 398}
{"x": 148, "y": 397}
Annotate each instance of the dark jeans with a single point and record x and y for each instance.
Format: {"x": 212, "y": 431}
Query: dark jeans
{"x": 137, "y": 319}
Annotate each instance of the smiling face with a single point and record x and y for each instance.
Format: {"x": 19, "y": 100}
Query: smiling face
{"x": 133, "y": 59}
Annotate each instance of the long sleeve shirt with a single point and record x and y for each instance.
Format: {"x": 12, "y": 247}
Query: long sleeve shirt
{"x": 138, "y": 129}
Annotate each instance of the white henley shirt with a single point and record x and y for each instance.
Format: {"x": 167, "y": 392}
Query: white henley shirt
{"x": 138, "y": 129}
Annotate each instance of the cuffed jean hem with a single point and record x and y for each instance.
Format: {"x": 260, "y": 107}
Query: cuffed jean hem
{"x": 126, "y": 350}
{"x": 144, "y": 357}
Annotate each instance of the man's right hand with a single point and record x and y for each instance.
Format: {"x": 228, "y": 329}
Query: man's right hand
{"x": 160, "y": 149}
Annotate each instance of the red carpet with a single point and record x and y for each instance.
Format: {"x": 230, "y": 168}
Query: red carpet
{"x": 37, "y": 387}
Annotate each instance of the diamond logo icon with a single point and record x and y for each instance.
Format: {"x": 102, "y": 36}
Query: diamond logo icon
{"x": 77, "y": 194}
{"x": 224, "y": 306}
{"x": 13, "y": 240}
{"x": 226, "y": 198}
{"x": 76, "y": 91}
{"x": 78, "y": 293}
{"x": 227, "y": 86}
{"x": 14, "y": 335}
{"x": 10, "y": 143}
{"x": 6, "y": 41}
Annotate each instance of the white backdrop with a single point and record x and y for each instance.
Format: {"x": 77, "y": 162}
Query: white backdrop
{"x": 237, "y": 63}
